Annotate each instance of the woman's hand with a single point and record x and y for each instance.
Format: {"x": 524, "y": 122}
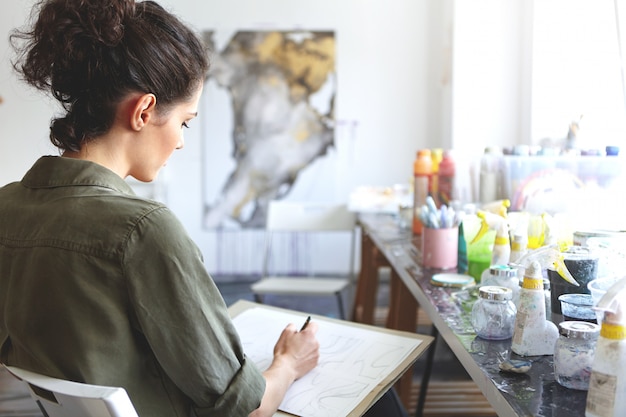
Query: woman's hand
{"x": 295, "y": 354}
{"x": 299, "y": 350}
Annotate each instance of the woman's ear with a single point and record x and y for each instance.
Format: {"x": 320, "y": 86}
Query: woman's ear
{"x": 143, "y": 109}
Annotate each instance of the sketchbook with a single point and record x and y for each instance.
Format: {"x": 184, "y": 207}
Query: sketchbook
{"x": 358, "y": 363}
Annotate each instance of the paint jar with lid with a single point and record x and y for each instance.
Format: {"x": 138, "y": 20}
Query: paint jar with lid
{"x": 502, "y": 276}
{"x": 493, "y": 314}
{"x": 573, "y": 353}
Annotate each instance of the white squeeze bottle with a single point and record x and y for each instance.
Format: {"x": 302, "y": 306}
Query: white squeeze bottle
{"x": 502, "y": 246}
{"x": 607, "y": 384}
{"x": 533, "y": 335}
{"x": 519, "y": 246}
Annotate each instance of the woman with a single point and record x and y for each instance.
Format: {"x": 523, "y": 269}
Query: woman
{"x": 98, "y": 285}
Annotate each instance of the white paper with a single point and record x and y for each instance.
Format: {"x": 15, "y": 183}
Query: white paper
{"x": 352, "y": 360}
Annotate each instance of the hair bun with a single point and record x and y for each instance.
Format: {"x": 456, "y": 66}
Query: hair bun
{"x": 104, "y": 21}
{"x": 90, "y": 54}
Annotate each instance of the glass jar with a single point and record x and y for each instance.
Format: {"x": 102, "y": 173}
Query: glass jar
{"x": 573, "y": 353}
{"x": 502, "y": 276}
{"x": 493, "y": 314}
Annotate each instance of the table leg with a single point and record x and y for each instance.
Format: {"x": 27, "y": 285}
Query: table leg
{"x": 367, "y": 285}
{"x": 402, "y": 316}
{"x": 421, "y": 400}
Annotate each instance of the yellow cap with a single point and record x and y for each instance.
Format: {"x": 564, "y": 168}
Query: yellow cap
{"x": 532, "y": 283}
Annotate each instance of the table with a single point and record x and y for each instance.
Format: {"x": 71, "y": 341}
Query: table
{"x": 533, "y": 394}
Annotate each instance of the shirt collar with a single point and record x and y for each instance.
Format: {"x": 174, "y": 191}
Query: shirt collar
{"x": 57, "y": 171}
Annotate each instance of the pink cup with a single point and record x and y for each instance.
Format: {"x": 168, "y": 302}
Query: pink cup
{"x": 440, "y": 248}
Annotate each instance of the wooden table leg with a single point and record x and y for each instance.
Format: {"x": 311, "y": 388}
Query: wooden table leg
{"x": 367, "y": 285}
{"x": 402, "y": 316}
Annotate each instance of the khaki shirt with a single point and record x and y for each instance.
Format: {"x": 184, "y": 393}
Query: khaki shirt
{"x": 100, "y": 286}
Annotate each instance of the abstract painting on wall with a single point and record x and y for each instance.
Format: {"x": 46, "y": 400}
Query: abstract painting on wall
{"x": 268, "y": 107}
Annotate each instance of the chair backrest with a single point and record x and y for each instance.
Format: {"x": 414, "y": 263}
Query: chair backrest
{"x": 290, "y": 216}
{"x": 61, "y": 398}
{"x": 306, "y": 216}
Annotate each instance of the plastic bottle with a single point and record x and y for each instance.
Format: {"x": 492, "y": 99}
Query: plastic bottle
{"x": 490, "y": 187}
{"x": 607, "y": 384}
{"x": 501, "y": 251}
{"x": 446, "y": 178}
{"x": 436, "y": 156}
{"x": 462, "y": 263}
{"x": 422, "y": 169}
{"x": 519, "y": 246}
{"x": 479, "y": 248}
{"x": 548, "y": 257}
{"x": 533, "y": 335}
{"x": 501, "y": 247}
{"x": 499, "y": 207}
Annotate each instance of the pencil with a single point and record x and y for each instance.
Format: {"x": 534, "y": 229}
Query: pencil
{"x": 306, "y": 323}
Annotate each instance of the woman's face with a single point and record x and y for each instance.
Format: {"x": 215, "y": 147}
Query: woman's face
{"x": 163, "y": 136}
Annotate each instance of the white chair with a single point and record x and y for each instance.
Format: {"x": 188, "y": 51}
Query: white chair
{"x": 61, "y": 398}
{"x": 307, "y": 218}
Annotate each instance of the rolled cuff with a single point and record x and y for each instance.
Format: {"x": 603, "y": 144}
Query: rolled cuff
{"x": 243, "y": 395}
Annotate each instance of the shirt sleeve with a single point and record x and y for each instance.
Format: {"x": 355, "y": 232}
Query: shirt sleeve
{"x": 185, "y": 320}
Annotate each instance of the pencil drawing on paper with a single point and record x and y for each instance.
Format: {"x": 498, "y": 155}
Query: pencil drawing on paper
{"x": 352, "y": 362}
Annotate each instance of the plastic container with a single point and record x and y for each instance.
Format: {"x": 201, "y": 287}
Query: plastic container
{"x": 539, "y": 182}
{"x": 611, "y": 251}
{"x": 599, "y": 286}
{"x": 573, "y": 353}
{"x": 440, "y": 248}
{"x": 583, "y": 265}
{"x": 493, "y": 314}
{"x": 578, "y": 307}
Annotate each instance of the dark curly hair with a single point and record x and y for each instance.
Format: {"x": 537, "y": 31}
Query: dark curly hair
{"x": 91, "y": 53}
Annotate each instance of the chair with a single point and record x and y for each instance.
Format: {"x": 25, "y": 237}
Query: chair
{"x": 60, "y": 398}
{"x": 311, "y": 219}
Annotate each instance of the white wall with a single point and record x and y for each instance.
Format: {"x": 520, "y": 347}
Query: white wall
{"x": 24, "y": 114}
{"x": 395, "y": 80}
{"x": 492, "y": 73}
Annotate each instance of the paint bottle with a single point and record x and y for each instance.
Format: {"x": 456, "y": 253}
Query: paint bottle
{"x": 436, "y": 156}
{"x": 462, "y": 264}
{"x": 501, "y": 248}
{"x": 607, "y": 384}
{"x": 491, "y": 174}
{"x": 422, "y": 169}
{"x": 446, "y": 178}
{"x": 519, "y": 246}
{"x": 533, "y": 335}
